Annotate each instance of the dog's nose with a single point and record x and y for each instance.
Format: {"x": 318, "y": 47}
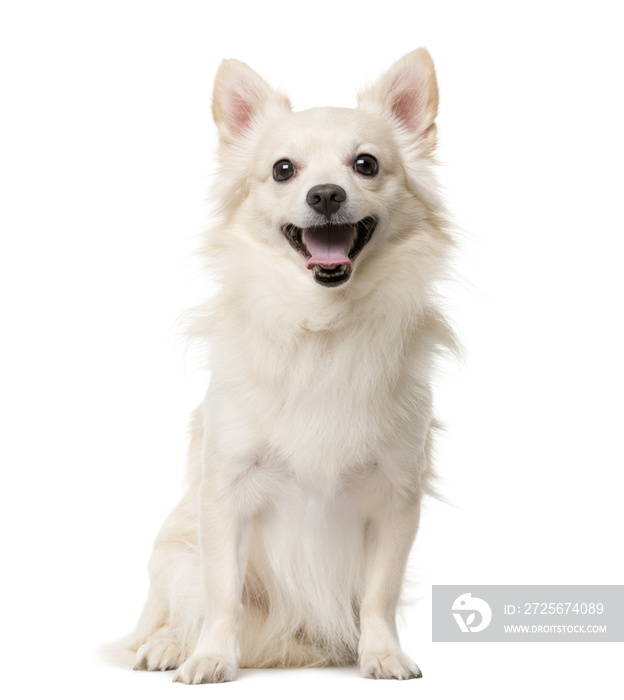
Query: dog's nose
{"x": 326, "y": 199}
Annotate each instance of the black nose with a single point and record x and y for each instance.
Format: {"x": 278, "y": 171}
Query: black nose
{"x": 326, "y": 199}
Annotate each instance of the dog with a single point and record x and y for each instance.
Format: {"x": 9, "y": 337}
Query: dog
{"x": 311, "y": 453}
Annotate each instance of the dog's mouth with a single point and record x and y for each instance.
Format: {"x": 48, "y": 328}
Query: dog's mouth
{"x": 330, "y": 249}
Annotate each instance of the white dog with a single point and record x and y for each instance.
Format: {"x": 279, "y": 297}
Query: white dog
{"x": 311, "y": 452}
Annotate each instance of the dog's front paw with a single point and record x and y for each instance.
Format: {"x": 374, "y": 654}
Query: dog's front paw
{"x": 206, "y": 669}
{"x": 389, "y": 664}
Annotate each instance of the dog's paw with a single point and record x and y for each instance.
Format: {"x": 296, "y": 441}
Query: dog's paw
{"x": 206, "y": 669}
{"x": 389, "y": 664}
{"x": 158, "y": 655}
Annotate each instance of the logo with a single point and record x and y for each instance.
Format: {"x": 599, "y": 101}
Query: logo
{"x": 465, "y": 603}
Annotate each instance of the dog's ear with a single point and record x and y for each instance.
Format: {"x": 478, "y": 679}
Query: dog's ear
{"x": 408, "y": 93}
{"x": 240, "y": 99}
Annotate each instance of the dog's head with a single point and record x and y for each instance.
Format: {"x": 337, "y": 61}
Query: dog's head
{"x": 326, "y": 188}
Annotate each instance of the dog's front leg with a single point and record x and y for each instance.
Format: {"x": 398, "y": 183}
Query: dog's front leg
{"x": 389, "y": 538}
{"x": 224, "y": 536}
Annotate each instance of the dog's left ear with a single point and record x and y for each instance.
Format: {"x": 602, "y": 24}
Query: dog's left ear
{"x": 408, "y": 93}
{"x": 240, "y": 99}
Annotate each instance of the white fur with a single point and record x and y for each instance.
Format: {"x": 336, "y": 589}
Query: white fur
{"x": 311, "y": 451}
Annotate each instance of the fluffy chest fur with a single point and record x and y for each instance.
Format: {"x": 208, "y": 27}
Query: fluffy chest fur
{"x": 325, "y": 401}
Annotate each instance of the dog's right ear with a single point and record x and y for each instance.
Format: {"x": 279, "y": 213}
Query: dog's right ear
{"x": 240, "y": 99}
{"x": 408, "y": 93}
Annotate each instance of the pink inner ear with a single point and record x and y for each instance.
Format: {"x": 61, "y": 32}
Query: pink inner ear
{"x": 407, "y": 97}
{"x": 240, "y": 113}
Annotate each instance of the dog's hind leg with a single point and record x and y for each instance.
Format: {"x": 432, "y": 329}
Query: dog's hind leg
{"x": 161, "y": 652}
{"x": 168, "y": 624}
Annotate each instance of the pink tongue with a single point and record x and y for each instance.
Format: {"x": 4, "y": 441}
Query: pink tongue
{"x": 329, "y": 246}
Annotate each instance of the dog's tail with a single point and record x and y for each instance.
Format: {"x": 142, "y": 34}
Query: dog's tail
{"x": 122, "y": 652}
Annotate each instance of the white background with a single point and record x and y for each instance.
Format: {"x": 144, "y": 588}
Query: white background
{"x": 106, "y": 155}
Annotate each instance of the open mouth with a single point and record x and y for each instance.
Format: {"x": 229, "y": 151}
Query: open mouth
{"x": 330, "y": 250}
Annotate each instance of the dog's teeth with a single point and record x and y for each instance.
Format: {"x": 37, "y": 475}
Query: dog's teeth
{"x": 303, "y": 236}
{"x": 334, "y": 272}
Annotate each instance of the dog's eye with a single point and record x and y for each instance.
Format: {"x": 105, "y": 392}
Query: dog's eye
{"x": 283, "y": 170}
{"x": 366, "y": 164}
